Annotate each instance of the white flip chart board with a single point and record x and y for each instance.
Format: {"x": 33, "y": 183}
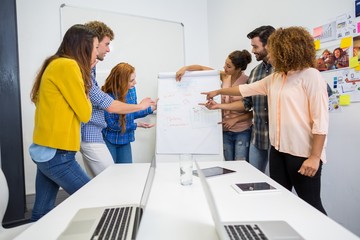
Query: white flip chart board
{"x": 184, "y": 126}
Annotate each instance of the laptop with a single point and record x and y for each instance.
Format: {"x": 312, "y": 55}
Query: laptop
{"x": 110, "y": 222}
{"x": 271, "y": 230}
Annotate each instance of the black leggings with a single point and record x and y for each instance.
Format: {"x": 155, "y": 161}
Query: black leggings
{"x": 284, "y": 170}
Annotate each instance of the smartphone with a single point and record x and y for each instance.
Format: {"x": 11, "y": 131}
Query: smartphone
{"x": 253, "y": 187}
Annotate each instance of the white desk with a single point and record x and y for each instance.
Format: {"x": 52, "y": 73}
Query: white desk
{"x": 116, "y": 185}
{"x": 181, "y": 212}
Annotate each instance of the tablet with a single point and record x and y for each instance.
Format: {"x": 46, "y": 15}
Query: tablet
{"x": 214, "y": 171}
{"x": 254, "y": 187}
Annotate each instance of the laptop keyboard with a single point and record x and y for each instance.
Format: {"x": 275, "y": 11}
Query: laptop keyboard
{"x": 114, "y": 224}
{"x": 245, "y": 232}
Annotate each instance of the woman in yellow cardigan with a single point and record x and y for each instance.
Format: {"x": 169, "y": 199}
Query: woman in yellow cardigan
{"x": 60, "y": 95}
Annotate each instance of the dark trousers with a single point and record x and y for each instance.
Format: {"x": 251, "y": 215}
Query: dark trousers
{"x": 284, "y": 170}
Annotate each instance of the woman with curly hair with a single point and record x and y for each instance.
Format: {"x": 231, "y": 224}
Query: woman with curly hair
{"x": 298, "y": 112}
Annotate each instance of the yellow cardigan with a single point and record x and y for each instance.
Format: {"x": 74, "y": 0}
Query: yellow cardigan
{"x": 62, "y": 104}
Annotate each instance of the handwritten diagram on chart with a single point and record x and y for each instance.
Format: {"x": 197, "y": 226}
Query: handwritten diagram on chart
{"x": 347, "y": 82}
{"x": 184, "y": 126}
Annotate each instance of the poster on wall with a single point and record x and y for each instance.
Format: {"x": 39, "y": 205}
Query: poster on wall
{"x": 339, "y": 58}
{"x": 345, "y": 25}
{"x": 332, "y": 58}
{"x": 334, "y": 105}
{"x": 326, "y": 32}
{"x": 347, "y": 82}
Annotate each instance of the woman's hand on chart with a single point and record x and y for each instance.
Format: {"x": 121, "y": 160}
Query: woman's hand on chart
{"x": 180, "y": 73}
{"x": 154, "y": 106}
{"x": 146, "y": 102}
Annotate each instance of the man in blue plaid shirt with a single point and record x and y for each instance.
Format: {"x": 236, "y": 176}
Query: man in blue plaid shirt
{"x": 96, "y": 155}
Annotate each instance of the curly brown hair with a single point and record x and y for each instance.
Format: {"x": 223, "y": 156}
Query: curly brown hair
{"x": 101, "y": 29}
{"x": 291, "y": 48}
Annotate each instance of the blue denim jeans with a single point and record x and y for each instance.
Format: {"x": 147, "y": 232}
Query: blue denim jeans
{"x": 236, "y": 145}
{"x": 120, "y": 153}
{"x": 61, "y": 171}
{"x": 259, "y": 158}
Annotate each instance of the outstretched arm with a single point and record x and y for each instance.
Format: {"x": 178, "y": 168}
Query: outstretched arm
{"x": 232, "y": 91}
{"x": 124, "y": 108}
{"x": 145, "y": 125}
{"x": 233, "y": 106}
{"x": 182, "y": 70}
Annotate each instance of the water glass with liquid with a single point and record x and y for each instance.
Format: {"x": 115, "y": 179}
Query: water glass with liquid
{"x": 186, "y": 168}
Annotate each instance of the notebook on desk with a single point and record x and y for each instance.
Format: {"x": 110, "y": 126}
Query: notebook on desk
{"x": 109, "y": 222}
{"x": 245, "y": 230}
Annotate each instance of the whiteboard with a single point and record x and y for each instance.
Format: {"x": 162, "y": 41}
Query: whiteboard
{"x": 183, "y": 125}
{"x": 150, "y": 45}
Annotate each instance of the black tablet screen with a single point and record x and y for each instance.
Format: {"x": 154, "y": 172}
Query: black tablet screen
{"x": 214, "y": 171}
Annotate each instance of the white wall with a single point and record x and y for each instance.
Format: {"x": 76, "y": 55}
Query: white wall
{"x": 229, "y": 23}
{"x": 39, "y": 37}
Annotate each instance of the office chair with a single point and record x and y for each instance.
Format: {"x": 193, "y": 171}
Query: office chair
{"x": 7, "y": 233}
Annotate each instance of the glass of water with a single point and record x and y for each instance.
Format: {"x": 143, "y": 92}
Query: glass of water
{"x": 186, "y": 168}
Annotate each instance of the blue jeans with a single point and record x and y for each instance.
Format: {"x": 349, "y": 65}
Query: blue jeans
{"x": 259, "y": 158}
{"x": 61, "y": 171}
{"x": 121, "y": 153}
{"x": 236, "y": 145}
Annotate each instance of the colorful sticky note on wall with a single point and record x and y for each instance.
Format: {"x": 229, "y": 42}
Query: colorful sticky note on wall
{"x": 346, "y": 42}
{"x": 358, "y": 27}
{"x": 317, "y": 31}
{"x": 354, "y": 62}
{"x": 317, "y": 44}
{"x": 344, "y": 100}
